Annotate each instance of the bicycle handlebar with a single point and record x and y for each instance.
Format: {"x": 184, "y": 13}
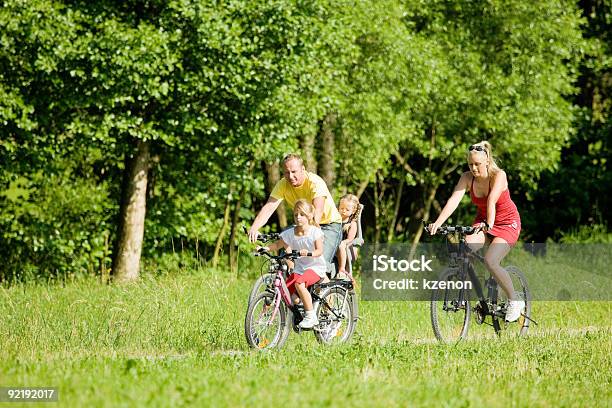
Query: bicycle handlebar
{"x": 449, "y": 229}
{"x": 295, "y": 254}
{"x": 272, "y": 236}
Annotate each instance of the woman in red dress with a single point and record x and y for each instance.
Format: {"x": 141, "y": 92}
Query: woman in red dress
{"x": 497, "y": 219}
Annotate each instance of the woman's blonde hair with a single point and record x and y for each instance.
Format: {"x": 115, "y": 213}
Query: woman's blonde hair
{"x": 305, "y": 208}
{"x": 351, "y": 198}
{"x": 485, "y": 148}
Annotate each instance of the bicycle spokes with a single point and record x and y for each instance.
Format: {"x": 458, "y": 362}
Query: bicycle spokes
{"x": 266, "y": 322}
{"x": 450, "y": 311}
{"x": 336, "y": 316}
{"x": 520, "y": 326}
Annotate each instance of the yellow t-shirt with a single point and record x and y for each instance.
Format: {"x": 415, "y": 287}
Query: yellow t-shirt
{"x": 312, "y": 187}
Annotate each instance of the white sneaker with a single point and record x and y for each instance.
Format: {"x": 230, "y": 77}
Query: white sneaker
{"x": 513, "y": 312}
{"x": 309, "y": 321}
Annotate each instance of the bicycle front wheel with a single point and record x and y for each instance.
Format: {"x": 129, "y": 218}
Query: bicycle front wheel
{"x": 450, "y": 308}
{"x": 262, "y": 283}
{"x": 337, "y": 315}
{"x": 521, "y": 326}
{"x": 263, "y": 328}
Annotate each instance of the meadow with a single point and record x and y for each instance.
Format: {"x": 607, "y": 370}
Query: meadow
{"x": 177, "y": 340}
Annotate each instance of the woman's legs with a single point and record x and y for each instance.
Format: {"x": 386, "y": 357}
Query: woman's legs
{"x": 498, "y": 249}
{"x": 475, "y": 241}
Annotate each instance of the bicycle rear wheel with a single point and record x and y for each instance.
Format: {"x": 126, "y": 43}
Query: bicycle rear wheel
{"x": 521, "y": 326}
{"x": 261, "y": 330}
{"x": 450, "y": 308}
{"x": 337, "y": 315}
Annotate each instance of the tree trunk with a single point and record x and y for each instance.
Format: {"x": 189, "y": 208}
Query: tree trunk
{"x": 427, "y": 210}
{"x": 327, "y": 168}
{"x": 431, "y": 195}
{"x": 222, "y": 232}
{"x": 130, "y": 234}
{"x": 398, "y": 200}
{"x": 273, "y": 176}
{"x": 362, "y": 187}
{"x": 233, "y": 245}
{"x": 307, "y": 144}
{"x": 377, "y": 225}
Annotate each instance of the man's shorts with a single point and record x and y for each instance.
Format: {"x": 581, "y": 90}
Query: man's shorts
{"x": 332, "y": 237}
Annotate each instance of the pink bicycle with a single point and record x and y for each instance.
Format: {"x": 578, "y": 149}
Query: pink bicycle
{"x": 270, "y": 314}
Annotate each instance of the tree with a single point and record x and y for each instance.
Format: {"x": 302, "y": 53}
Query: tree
{"x": 579, "y": 186}
{"x": 501, "y": 73}
{"x": 154, "y": 80}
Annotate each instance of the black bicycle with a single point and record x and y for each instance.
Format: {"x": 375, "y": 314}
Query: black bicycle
{"x": 450, "y": 303}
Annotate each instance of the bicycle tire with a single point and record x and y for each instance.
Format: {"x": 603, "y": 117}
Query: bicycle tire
{"x": 256, "y": 323}
{"x": 521, "y": 326}
{"x": 336, "y": 314}
{"x": 450, "y": 318}
{"x": 261, "y": 285}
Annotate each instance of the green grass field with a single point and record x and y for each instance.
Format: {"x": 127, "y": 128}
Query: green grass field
{"x": 178, "y": 341}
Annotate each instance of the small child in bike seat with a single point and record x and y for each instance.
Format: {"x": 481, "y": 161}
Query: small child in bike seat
{"x": 310, "y": 268}
{"x": 348, "y": 208}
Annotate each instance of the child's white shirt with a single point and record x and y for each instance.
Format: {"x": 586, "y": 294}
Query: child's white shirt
{"x": 306, "y": 241}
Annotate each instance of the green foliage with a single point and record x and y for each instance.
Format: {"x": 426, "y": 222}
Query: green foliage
{"x": 54, "y": 228}
{"x": 191, "y": 78}
{"x": 217, "y": 88}
{"x": 579, "y": 186}
{"x": 591, "y": 234}
{"x": 500, "y": 71}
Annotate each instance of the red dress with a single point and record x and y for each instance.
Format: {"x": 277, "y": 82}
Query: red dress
{"x": 507, "y": 223}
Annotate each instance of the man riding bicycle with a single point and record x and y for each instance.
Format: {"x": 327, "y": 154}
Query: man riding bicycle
{"x": 297, "y": 183}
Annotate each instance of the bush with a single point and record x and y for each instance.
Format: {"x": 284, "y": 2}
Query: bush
{"x": 52, "y": 227}
{"x": 588, "y": 234}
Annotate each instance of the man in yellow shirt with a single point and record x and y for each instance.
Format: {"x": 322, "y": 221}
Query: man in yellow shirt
{"x": 296, "y": 184}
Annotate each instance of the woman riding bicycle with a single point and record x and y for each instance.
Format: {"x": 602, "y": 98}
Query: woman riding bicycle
{"x": 497, "y": 219}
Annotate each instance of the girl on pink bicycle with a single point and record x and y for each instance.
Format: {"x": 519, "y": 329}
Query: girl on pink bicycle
{"x": 310, "y": 268}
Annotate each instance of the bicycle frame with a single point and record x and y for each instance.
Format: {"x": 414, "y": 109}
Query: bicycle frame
{"x": 333, "y": 302}
{"x": 445, "y": 303}
{"x": 466, "y": 270}
{"x": 281, "y": 292}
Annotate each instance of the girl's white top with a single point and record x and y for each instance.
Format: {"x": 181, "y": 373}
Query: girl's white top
{"x": 306, "y": 241}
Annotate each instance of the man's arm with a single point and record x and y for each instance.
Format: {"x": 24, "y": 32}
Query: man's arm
{"x": 319, "y": 204}
{"x": 262, "y": 218}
